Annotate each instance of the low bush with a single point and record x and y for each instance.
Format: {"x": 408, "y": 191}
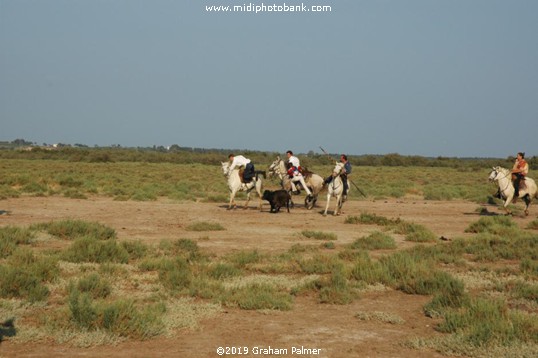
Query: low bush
{"x": 73, "y": 229}
{"x": 94, "y": 285}
{"x": 89, "y": 249}
{"x": 375, "y": 241}
{"x": 257, "y": 297}
{"x": 175, "y": 274}
{"x": 319, "y": 235}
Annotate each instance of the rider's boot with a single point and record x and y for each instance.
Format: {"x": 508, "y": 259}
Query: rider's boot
{"x": 294, "y": 189}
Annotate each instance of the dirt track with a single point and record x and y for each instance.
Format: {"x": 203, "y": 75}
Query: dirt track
{"x": 332, "y": 328}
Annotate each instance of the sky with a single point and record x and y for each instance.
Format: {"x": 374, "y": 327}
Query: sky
{"x": 454, "y": 78}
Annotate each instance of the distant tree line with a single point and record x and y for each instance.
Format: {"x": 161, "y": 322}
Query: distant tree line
{"x": 189, "y": 155}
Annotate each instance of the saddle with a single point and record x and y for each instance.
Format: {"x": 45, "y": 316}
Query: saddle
{"x": 243, "y": 180}
{"x": 522, "y": 184}
{"x": 305, "y": 172}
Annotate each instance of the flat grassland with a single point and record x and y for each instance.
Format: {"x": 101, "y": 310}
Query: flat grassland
{"x": 140, "y": 259}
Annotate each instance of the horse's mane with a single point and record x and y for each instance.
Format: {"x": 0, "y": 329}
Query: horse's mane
{"x": 503, "y": 170}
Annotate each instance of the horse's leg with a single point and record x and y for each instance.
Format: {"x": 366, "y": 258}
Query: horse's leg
{"x": 507, "y": 202}
{"x": 327, "y": 205}
{"x": 259, "y": 187}
{"x": 527, "y": 200}
{"x": 338, "y": 204}
{"x": 248, "y": 198}
{"x": 231, "y": 204}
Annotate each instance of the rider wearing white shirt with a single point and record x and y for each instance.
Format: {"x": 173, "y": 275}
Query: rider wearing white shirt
{"x": 241, "y": 161}
{"x": 294, "y": 169}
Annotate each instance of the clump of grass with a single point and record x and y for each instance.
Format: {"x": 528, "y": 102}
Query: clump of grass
{"x": 318, "y": 264}
{"x": 492, "y": 247}
{"x": 257, "y": 297}
{"x": 336, "y": 290}
{"x": 380, "y": 317}
{"x": 136, "y": 249}
{"x": 16, "y": 282}
{"x": 485, "y": 322}
{"x": 369, "y": 271}
{"x": 319, "y": 235}
{"x": 89, "y": 249}
{"x": 204, "y": 226}
{"x": 371, "y": 219}
{"x": 187, "y": 248}
{"x": 122, "y": 317}
{"x": 224, "y": 270}
{"x": 533, "y": 225}
{"x": 73, "y": 229}
{"x": 243, "y": 258}
{"x": 500, "y": 225}
{"x": 175, "y": 274}
{"x": 414, "y": 232}
{"x": 25, "y": 275}
{"x": 375, "y": 241}
{"x": 529, "y": 266}
{"x": 328, "y": 245}
{"x": 94, "y": 285}
{"x": 11, "y": 236}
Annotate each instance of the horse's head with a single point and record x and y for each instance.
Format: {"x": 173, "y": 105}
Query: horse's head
{"x": 338, "y": 168}
{"x": 225, "y": 168}
{"x": 275, "y": 167}
{"x": 495, "y": 172}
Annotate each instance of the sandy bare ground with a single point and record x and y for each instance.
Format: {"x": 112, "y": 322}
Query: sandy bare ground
{"x": 333, "y": 329}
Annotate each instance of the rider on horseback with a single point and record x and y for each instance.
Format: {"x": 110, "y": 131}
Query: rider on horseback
{"x": 294, "y": 169}
{"x": 346, "y": 170}
{"x": 519, "y": 171}
{"x": 241, "y": 161}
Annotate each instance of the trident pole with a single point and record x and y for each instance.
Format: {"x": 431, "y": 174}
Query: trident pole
{"x": 351, "y": 181}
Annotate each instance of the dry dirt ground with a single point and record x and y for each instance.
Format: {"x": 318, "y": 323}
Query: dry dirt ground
{"x": 333, "y": 329}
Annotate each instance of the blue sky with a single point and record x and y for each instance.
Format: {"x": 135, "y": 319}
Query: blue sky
{"x": 415, "y": 77}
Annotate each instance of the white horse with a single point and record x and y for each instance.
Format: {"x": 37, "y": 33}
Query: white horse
{"x": 336, "y": 189}
{"x": 235, "y": 185}
{"x": 502, "y": 177}
{"x": 311, "y": 183}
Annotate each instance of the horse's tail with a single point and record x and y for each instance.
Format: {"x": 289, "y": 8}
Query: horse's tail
{"x": 260, "y": 172}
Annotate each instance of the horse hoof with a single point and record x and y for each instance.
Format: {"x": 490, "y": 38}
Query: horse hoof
{"x": 526, "y": 213}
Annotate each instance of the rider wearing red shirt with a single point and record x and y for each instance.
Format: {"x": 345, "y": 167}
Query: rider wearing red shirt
{"x": 519, "y": 171}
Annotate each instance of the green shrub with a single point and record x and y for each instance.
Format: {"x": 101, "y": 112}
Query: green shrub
{"x": 17, "y": 282}
{"x": 500, "y": 225}
{"x": 175, "y": 274}
{"x": 319, "y": 235}
{"x": 371, "y": 219}
{"x": 368, "y": 271}
{"x": 11, "y": 236}
{"x": 136, "y": 249}
{"x": 224, "y": 270}
{"x": 485, "y": 322}
{"x": 73, "y": 229}
{"x": 375, "y": 241}
{"x": 83, "y": 312}
{"x": 94, "y": 285}
{"x": 318, "y": 264}
{"x": 257, "y": 297}
{"x": 336, "y": 290}
{"x": 243, "y": 258}
{"x": 89, "y": 249}
{"x": 125, "y": 319}
{"x": 533, "y": 225}
{"x": 414, "y": 232}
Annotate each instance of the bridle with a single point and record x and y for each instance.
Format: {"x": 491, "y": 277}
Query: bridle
{"x": 504, "y": 177}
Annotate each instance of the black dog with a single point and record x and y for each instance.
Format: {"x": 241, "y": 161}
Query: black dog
{"x": 277, "y": 199}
